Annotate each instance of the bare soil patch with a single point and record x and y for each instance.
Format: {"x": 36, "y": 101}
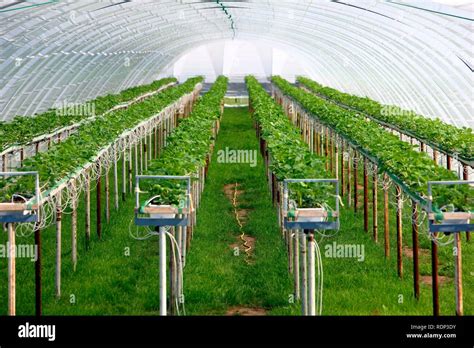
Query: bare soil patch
{"x": 246, "y": 311}
{"x": 250, "y": 241}
{"x": 408, "y": 252}
{"x": 426, "y": 279}
{"x": 229, "y": 191}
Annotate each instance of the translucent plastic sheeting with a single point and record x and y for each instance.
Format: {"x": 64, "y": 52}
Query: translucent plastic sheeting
{"x": 416, "y": 54}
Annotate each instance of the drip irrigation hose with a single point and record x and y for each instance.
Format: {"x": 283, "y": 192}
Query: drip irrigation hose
{"x": 247, "y": 247}
{"x": 177, "y": 251}
{"x": 319, "y": 295}
{"x": 177, "y": 258}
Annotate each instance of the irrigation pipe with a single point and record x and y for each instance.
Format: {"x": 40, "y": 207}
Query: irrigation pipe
{"x": 241, "y": 226}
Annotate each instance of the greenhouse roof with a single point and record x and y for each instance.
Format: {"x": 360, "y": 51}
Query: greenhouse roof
{"x": 416, "y": 52}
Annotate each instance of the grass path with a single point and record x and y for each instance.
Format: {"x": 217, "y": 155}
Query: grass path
{"x": 217, "y": 280}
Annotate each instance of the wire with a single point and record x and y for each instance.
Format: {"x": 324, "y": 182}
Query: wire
{"x": 319, "y": 296}
{"x": 247, "y": 247}
{"x": 175, "y": 245}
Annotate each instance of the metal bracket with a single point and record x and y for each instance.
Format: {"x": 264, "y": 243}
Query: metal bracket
{"x": 447, "y": 227}
{"x": 140, "y": 220}
{"x": 21, "y": 212}
{"x": 310, "y": 225}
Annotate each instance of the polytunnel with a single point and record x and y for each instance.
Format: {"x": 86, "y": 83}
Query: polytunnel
{"x": 254, "y": 140}
{"x": 415, "y": 54}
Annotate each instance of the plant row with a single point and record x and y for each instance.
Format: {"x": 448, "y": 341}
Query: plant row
{"x": 290, "y": 155}
{"x": 188, "y": 146}
{"x": 22, "y": 130}
{"x": 394, "y": 156}
{"x": 80, "y": 148}
{"x": 452, "y": 140}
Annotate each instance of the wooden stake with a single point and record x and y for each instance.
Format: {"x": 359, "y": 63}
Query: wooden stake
{"x": 87, "y": 197}
{"x": 448, "y": 162}
{"x": 356, "y": 196}
{"x": 107, "y": 196}
{"x": 130, "y": 169}
{"x": 74, "y": 234}
{"x": 318, "y": 143}
{"x": 124, "y": 174}
{"x": 136, "y": 161}
{"x": 290, "y": 251}
{"x": 116, "y": 185}
{"x": 150, "y": 147}
{"x": 375, "y": 203}
{"x": 22, "y": 156}
{"x": 366, "y": 197}
{"x": 343, "y": 173}
{"x": 416, "y": 266}
{"x": 11, "y": 270}
{"x": 434, "y": 276}
{"x": 99, "y": 204}
{"x": 399, "y": 232}
{"x": 336, "y": 158}
{"x": 58, "y": 245}
{"x": 386, "y": 219}
{"x": 156, "y": 143}
{"x": 331, "y": 158}
{"x": 350, "y": 164}
{"x": 435, "y": 156}
{"x": 326, "y": 148}
{"x": 458, "y": 274}
{"x": 145, "y": 154}
{"x": 465, "y": 176}
{"x": 296, "y": 266}
{"x": 38, "y": 290}
{"x": 4, "y": 163}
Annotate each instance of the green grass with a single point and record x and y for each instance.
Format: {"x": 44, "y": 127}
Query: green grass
{"x": 107, "y": 282}
{"x": 372, "y": 287}
{"x": 216, "y": 279}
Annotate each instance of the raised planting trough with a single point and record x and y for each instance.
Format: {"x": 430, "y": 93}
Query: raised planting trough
{"x": 149, "y": 214}
{"x": 21, "y": 209}
{"x": 310, "y": 218}
{"x": 449, "y": 222}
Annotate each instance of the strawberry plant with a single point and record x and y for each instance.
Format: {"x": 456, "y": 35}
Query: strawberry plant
{"x": 453, "y": 140}
{"x": 290, "y": 156}
{"x": 397, "y": 157}
{"x": 188, "y": 146}
{"x": 23, "y": 129}
{"x": 76, "y": 151}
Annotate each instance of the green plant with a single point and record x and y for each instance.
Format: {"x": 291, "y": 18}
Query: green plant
{"x": 453, "y": 140}
{"x": 290, "y": 156}
{"x": 188, "y": 146}
{"x": 411, "y": 167}
{"x": 23, "y": 129}
{"x": 80, "y": 148}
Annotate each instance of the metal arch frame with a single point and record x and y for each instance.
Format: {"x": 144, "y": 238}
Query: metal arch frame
{"x": 357, "y": 66}
{"x": 85, "y": 67}
{"x": 91, "y": 72}
{"x": 432, "y": 112}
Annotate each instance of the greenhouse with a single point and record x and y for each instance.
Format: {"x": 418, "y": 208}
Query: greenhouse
{"x": 236, "y": 158}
